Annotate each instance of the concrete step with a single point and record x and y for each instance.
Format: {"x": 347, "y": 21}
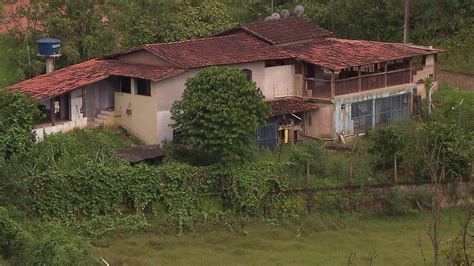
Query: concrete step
{"x": 106, "y": 112}
{"x": 102, "y": 116}
{"x": 99, "y": 120}
{"x": 93, "y": 124}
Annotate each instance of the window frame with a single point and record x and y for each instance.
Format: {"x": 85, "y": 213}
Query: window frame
{"x": 121, "y": 88}
{"x": 248, "y": 74}
{"x": 146, "y": 89}
{"x": 357, "y": 118}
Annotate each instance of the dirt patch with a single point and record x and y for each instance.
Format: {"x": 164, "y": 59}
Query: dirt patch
{"x": 465, "y": 82}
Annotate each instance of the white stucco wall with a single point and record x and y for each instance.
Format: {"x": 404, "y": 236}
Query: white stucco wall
{"x": 279, "y": 81}
{"x": 76, "y": 104}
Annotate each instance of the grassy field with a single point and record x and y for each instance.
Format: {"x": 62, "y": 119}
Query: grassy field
{"x": 315, "y": 241}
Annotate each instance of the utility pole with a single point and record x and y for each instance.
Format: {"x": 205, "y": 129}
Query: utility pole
{"x": 406, "y": 27}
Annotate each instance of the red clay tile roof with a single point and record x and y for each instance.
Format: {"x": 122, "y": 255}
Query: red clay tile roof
{"x": 290, "y": 105}
{"x": 223, "y": 50}
{"x": 281, "y": 31}
{"x": 79, "y": 75}
{"x": 338, "y": 54}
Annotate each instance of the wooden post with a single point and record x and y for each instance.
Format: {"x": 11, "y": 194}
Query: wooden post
{"x": 395, "y": 169}
{"x": 333, "y": 85}
{"x": 351, "y": 168}
{"x": 406, "y": 25}
{"x": 386, "y": 75}
{"x": 53, "y": 113}
{"x": 309, "y": 200}
{"x": 411, "y": 70}
{"x": 359, "y": 74}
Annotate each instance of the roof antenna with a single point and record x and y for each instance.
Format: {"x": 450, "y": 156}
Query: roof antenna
{"x": 299, "y": 9}
{"x": 285, "y": 13}
{"x": 275, "y": 16}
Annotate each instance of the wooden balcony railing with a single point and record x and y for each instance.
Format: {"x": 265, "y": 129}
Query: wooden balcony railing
{"x": 321, "y": 88}
{"x": 317, "y": 88}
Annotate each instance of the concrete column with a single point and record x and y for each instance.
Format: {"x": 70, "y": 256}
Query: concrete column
{"x": 49, "y": 64}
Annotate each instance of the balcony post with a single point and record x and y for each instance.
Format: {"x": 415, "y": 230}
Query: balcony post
{"x": 411, "y": 70}
{"x": 385, "y": 75}
{"x": 53, "y": 113}
{"x": 359, "y": 78}
{"x": 333, "y": 85}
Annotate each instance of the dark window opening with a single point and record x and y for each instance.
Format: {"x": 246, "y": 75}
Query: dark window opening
{"x": 361, "y": 114}
{"x": 392, "y": 109}
{"x": 125, "y": 86}
{"x": 143, "y": 87}
{"x": 248, "y": 74}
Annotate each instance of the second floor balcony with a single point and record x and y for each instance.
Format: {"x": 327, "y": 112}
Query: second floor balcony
{"x": 329, "y": 85}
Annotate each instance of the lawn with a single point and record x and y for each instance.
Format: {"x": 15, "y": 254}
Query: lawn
{"x": 314, "y": 241}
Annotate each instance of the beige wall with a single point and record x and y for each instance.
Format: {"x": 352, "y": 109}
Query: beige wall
{"x": 143, "y": 57}
{"x": 142, "y": 121}
{"x": 279, "y": 81}
{"x": 170, "y": 90}
{"x": 150, "y": 118}
{"x": 321, "y": 122}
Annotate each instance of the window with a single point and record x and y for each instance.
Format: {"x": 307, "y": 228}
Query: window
{"x": 248, "y": 74}
{"x": 143, "y": 87}
{"x": 361, "y": 114}
{"x": 392, "y": 109}
{"x": 125, "y": 85}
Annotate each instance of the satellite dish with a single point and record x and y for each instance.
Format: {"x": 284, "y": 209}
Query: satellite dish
{"x": 269, "y": 18}
{"x": 299, "y": 9}
{"x": 285, "y": 13}
{"x": 276, "y": 16}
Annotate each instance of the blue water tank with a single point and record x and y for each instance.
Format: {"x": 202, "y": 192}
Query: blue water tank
{"x": 48, "y": 46}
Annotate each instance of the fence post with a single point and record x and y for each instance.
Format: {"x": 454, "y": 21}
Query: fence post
{"x": 309, "y": 195}
{"x": 395, "y": 169}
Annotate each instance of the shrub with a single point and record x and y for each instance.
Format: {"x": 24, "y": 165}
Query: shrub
{"x": 58, "y": 247}
{"x": 181, "y": 187}
{"x": 73, "y": 194}
{"x": 397, "y": 202}
{"x": 259, "y": 189}
{"x": 14, "y": 240}
{"x": 386, "y": 142}
{"x": 218, "y": 113}
{"x": 17, "y": 117}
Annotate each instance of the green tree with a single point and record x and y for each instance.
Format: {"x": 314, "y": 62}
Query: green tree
{"x": 219, "y": 112}
{"x": 82, "y": 26}
{"x": 197, "y": 20}
{"x": 140, "y": 22}
{"x": 18, "y": 115}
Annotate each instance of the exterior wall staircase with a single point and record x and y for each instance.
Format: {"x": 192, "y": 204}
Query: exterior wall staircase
{"x": 103, "y": 117}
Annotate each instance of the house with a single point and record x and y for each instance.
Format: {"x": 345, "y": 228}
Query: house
{"x": 318, "y": 86}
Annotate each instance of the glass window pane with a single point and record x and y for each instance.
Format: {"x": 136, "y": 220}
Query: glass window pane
{"x": 396, "y": 102}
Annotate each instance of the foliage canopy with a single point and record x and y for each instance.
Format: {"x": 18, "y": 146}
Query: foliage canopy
{"x": 219, "y": 112}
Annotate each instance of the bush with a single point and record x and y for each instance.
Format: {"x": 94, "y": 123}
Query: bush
{"x": 58, "y": 247}
{"x": 386, "y": 142}
{"x": 260, "y": 189}
{"x": 218, "y": 114}
{"x": 18, "y": 115}
{"x": 397, "y": 203}
{"x": 14, "y": 240}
